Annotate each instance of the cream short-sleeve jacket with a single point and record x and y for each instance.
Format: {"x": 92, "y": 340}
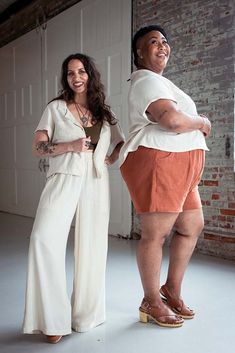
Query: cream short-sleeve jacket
{"x": 147, "y": 87}
{"x": 61, "y": 126}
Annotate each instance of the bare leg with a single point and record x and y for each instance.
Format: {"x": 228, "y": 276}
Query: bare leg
{"x": 188, "y": 226}
{"x": 154, "y": 228}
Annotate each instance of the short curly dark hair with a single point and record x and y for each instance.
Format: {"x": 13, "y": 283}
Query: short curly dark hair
{"x": 142, "y": 32}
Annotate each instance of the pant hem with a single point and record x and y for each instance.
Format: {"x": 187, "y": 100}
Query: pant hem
{"x": 86, "y": 328}
{"x": 47, "y": 332}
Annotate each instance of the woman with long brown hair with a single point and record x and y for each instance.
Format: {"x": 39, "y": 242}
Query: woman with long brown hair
{"x": 75, "y": 132}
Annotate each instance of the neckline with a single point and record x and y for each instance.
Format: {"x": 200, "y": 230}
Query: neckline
{"x": 68, "y": 111}
{"x": 89, "y": 127}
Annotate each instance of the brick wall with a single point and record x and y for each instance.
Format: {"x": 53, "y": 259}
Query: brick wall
{"x": 202, "y": 39}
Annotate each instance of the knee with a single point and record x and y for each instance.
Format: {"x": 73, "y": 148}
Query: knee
{"x": 150, "y": 239}
{"x": 191, "y": 230}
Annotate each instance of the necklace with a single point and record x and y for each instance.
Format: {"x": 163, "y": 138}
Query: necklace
{"x": 83, "y": 116}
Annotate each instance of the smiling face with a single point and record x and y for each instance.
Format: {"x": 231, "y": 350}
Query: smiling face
{"x": 77, "y": 77}
{"x": 153, "y": 52}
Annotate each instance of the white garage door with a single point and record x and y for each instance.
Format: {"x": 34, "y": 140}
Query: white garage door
{"x": 30, "y": 71}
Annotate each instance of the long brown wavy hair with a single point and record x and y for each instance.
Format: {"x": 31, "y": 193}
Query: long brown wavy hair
{"x": 95, "y": 89}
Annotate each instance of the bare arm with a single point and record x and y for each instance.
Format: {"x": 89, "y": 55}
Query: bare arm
{"x": 115, "y": 154}
{"x": 165, "y": 112}
{"x": 42, "y": 147}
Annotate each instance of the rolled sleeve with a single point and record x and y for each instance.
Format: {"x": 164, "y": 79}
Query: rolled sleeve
{"x": 47, "y": 122}
{"x": 149, "y": 89}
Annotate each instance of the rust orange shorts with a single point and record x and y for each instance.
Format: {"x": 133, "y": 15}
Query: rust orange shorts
{"x": 160, "y": 181}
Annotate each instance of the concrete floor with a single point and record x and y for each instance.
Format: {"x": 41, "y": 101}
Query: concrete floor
{"x": 209, "y": 288}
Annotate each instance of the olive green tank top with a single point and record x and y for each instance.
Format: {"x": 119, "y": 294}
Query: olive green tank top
{"x": 94, "y": 133}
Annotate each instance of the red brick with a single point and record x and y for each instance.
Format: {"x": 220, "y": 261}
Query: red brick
{"x": 231, "y": 204}
{"x": 210, "y": 183}
{"x": 216, "y": 237}
{"x": 222, "y": 218}
{"x": 231, "y": 196}
{"x": 225, "y": 226}
{"x": 227, "y": 212}
{"x": 215, "y": 169}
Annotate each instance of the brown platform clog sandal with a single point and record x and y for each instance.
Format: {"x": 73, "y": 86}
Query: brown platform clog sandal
{"x": 162, "y": 316}
{"x": 176, "y": 304}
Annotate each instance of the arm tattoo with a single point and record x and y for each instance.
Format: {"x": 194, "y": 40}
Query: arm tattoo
{"x": 46, "y": 147}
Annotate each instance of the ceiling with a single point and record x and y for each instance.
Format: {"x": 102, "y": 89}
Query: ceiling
{"x": 11, "y": 7}
{"x": 4, "y": 4}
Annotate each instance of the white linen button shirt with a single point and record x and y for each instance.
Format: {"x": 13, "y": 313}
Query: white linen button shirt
{"x": 62, "y": 126}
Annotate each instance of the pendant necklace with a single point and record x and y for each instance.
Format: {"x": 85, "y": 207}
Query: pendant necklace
{"x": 83, "y": 116}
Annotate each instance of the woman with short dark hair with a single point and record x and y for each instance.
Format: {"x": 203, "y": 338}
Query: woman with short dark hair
{"x": 162, "y": 163}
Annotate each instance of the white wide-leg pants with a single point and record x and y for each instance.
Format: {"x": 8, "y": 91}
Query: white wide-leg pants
{"x": 47, "y": 308}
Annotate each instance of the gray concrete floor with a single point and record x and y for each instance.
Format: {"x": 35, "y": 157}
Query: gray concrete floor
{"x": 209, "y": 288}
